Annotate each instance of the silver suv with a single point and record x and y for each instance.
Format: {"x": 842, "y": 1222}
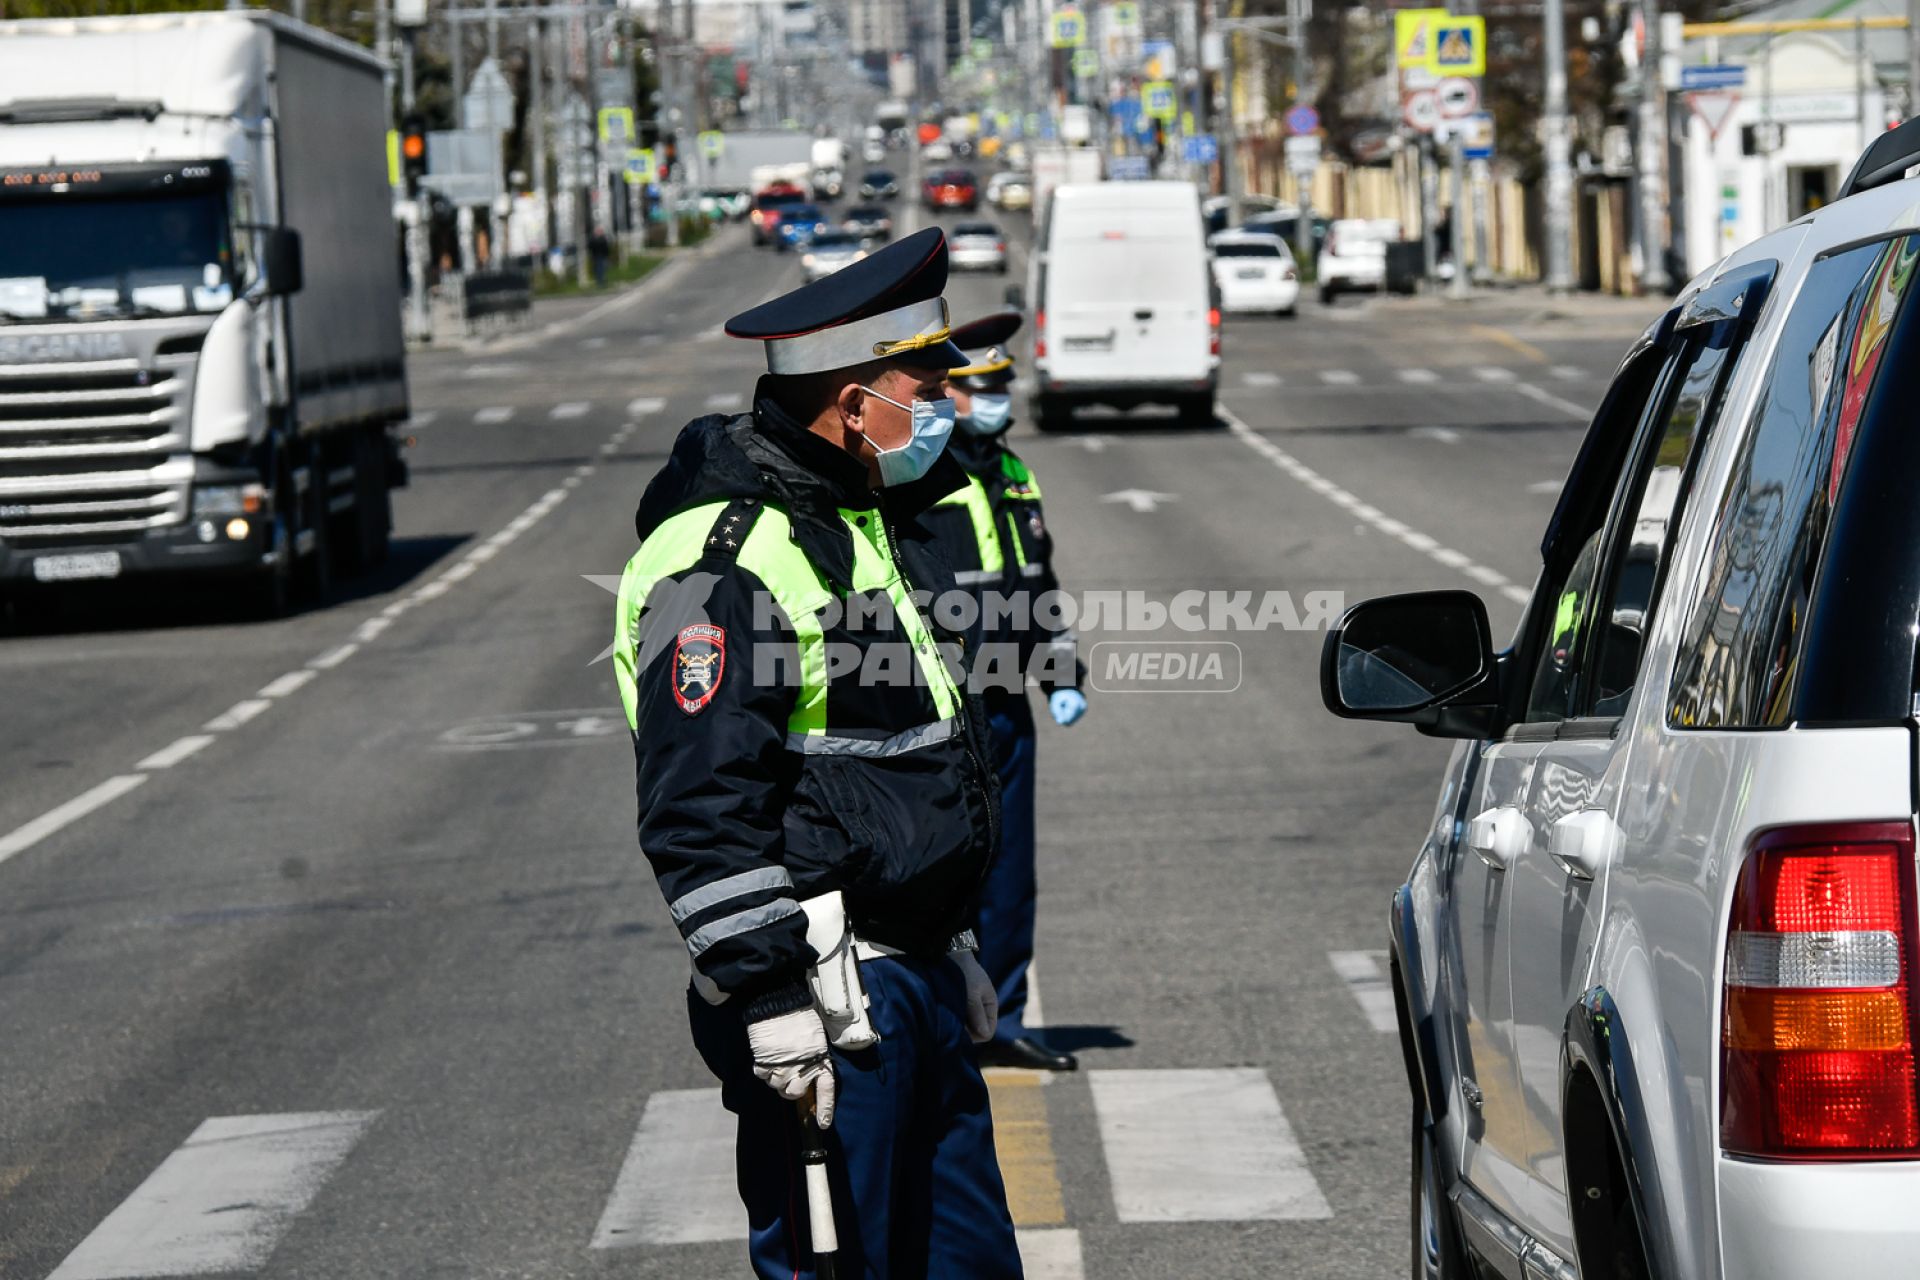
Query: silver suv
{"x": 1655, "y": 960}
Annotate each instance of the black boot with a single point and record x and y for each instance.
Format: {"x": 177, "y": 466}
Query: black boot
{"x": 1029, "y": 1052}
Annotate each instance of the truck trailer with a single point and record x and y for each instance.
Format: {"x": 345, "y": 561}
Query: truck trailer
{"x": 201, "y": 357}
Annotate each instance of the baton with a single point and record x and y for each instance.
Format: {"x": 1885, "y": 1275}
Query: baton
{"x": 813, "y": 1156}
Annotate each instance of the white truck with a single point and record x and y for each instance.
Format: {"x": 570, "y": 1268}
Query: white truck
{"x": 829, "y": 158}
{"x": 1056, "y": 167}
{"x": 201, "y": 356}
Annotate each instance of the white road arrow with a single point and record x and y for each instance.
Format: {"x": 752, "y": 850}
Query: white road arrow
{"x": 1140, "y": 499}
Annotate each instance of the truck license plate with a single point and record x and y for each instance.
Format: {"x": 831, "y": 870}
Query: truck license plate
{"x": 96, "y": 564}
{"x": 1249, "y": 273}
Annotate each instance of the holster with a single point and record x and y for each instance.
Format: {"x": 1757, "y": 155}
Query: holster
{"x": 834, "y": 979}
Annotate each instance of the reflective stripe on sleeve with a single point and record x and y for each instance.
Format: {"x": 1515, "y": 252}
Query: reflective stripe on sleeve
{"x": 974, "y": 577}
{"x": 1032, "y": 569}
{"x": 712, "y": 895}
{"x": 738, "y": 923}
{"x": 821, "y": 744}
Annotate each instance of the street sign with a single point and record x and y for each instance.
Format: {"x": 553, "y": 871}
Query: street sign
{"x": 1202, "y": 149}
{"x": 1123, "y": 19}
{"x": 616, "y": 124}
{"x": 1476, "y": 136}
{"x": 1303, "y": 154}
{"x": 1086, "y": 62}
{"x": 1413, "y": 35}
{"x": 1069, "y": 29}
{"x": 713, "y": 143}
{"x": 1303, "y": 119}
{"x": 641, "y": 167}
{"x": 1421, "y": 110}
{"x": 1129, "y": 169}
{"x": 1459, "y": 97}
{"x": 1158, "y": 100}
{"x": 1712, "y": 77}
{"x": 1715, "y": 108}
{"x": 1157, "y": 60}
{"x": 1460, "y": 46}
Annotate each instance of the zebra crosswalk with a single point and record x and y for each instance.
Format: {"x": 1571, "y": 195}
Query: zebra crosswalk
{"x": 1411, "y": 376}
{"x": 1179, "y": 1146}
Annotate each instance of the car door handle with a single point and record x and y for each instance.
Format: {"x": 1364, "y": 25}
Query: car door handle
{"x": 1499, "y": 836}
{"x": 1584, "y": 842}
{"x": 1144, "y": 313}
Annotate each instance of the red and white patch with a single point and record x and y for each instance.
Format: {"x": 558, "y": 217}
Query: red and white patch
{"x": 699, "y": 661}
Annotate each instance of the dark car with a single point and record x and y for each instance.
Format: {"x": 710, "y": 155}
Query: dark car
{"x": 1287, "y": 225}
{"x": 869, "y": 220}
{"x": 799, "y": 224}
{"x": 879, "y": 184}
{"x": 952, "y": 189}
{"x": 769, "y": 206}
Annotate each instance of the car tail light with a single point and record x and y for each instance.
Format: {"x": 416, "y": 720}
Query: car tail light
{"x": 1213, "y": 331}
{"x": 759, "y": 217}
{"x": 1817, "y": 1038}
{"x": 1039, "y": 335}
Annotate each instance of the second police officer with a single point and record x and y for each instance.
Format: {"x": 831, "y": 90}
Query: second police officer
{"x": 998, "y": 542}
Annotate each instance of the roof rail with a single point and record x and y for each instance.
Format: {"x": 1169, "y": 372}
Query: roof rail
{"x": 1887, "y": 160}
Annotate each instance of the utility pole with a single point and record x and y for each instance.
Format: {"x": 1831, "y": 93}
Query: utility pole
{"x": 537, "y": 121}
{"x": 1557, "y": 141}
{"x": 1652, "y": 157}
{"x": 457, "y": 36}
{"x": 1457, "y": 176}
{"x": 1913, "y": 59}
{"x": 1297, "y": 11}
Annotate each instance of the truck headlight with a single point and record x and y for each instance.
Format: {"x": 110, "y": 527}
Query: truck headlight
{"x": 229, "y": 499}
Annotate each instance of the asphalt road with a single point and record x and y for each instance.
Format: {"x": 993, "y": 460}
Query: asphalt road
{"x": 326, "y": 949}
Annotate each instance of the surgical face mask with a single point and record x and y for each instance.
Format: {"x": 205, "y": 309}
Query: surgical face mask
{"x": 932, "y": 424}
{"x": 992, "y": 411}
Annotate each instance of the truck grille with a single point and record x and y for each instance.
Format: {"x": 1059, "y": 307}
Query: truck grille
{"x": 94, "y": 449}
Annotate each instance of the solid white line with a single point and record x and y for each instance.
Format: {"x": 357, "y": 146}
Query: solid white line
{"x": 1339, "y": 377}
{"x": 1050, "y": 1253}
{"x": 1546, "y": 486}
{"x": 571, "y": 409}
{"x": 1444, "y": 435}
{"x": 423, "y": 419}
{"x": 1365, "y": 974}
{"x": 677, "y": 1183}
{"x": 334, "y": 657}
{"x": 1201, "y": 1146}
{"x": 236, "y": 715}
{"x": 1553, "y": 401}
{"x": 1493, "y": 374}
{"x": 1260, "y": 378}
{"x": 725, "y": 401}
{"x": 222, "y": 1200}
{"x": 174, "y": 752}
{"x": 1568, "y": 372}
{"x": 1420, "y": 377}
{"x": 25, "y": 837}
{"x": 644, "y": 405}
{"x": 493, "y": 415}
{"x": 287, "y": 684}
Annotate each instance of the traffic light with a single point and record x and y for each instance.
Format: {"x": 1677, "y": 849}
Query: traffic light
{"x": 413, "y": 150}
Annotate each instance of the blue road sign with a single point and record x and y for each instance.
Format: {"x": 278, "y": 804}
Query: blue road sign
{"x": 1129, "y": 169}
{"x": 1202, "y": 149}
{"x": 1694, "y": 79}
{"x": 1303, "y": 119}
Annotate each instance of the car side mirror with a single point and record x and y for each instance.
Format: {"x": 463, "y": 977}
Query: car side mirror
{"x": 1424, "y": 659}
{"x": 1016, "y": 298}
{"x": 281, "y": 263}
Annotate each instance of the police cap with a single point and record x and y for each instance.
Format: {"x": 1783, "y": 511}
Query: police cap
{"x": 989, "y": 362}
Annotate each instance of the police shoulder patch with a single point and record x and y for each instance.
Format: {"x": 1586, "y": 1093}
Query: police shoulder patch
{"x": 699, "y": 660}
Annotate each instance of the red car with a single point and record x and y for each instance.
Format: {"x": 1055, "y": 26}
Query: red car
{"x": 952, "y": 189}
{"x": 769, "y": 204}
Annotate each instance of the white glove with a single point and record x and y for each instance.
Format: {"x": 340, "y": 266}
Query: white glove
{"x": 983, "y": 1002}
{"x": 790, "y": 1055}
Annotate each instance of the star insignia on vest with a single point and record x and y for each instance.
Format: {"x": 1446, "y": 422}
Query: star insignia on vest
{"x": 1037, "y": 525}
{"x": 887, "y": 306}
{"x": 699, "y": 660}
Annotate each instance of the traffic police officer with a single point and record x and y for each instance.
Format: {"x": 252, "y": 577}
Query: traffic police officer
{"x": 1000, "y": 546}
{"x": 815, "y": 797}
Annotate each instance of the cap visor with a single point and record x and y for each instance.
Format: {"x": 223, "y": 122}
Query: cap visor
{"x": 941, "y": 355}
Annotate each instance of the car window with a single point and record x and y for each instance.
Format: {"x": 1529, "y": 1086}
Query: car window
{"x": 1246, "y": 249}
{"x": 1742, "y": 640}
{"x": 1643, "y": 536}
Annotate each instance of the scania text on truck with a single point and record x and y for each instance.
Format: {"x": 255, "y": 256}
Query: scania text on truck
{"x": 201, "y": 356}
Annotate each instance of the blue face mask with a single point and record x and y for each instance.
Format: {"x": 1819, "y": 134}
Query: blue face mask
{"x": 932, "y": 424}
{"x": 992, "y": 411}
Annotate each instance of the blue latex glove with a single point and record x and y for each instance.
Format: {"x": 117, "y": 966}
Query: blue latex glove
{"x": 1067, "y": 705}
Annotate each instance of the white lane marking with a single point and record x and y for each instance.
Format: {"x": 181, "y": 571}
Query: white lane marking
{"x": 22, "y": 838}
{"x": 493, "y": 415}
{"x": 236, "y": 715}
{"x": 1365, "y": 973}
{"x": 1491, "y": 373}
{"x": 641, "y": 406}
{"x": 725, "y": 401}
{"x": 1207, "y": 1145}
{"x": 222, "y": 1200}
{"x": 571, "y": 409}
{"x": 677, "y": 1183}
{"x": 1260, "y": 378}
{"x": 1419, "y": 377}
{"x": 1050, "y": 1253}
{"x": 288, "y": 683}
{"x": 1568, "y": 372}
{"x": 1339, "y": 377}
{"x": 1545, "y": 486}
{"x": 1445, "y": 435}
{"x": 1553, "y": 401}
{"x": 593, "y": 344}
{"x": 334, "y": 657}
{"x": 423, "y": 418}
{"x": 174, "y": 752}
{"x": 1413, "y": 538}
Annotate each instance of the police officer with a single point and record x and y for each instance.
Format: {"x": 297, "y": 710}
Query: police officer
{"x": 1000, "y": 547}
{"x": 815, "y": 796}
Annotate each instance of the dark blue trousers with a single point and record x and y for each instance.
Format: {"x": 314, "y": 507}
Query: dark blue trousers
{"x": 1007, "y": 898}
{"x": 917, "y": 1189}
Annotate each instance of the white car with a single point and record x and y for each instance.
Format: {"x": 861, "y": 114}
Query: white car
{"x": 1008, "y": 190}
{"x": 830, "y": 251}
{"x": 1355, "y": 255}
{"x": 1655, "y": 962}
{"x": 939, "y": 151}
{"x": 977, "y": 246}
{"x": 1254, "y": 272}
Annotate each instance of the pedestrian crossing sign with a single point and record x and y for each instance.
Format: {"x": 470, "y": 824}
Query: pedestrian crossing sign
{"x": 713, "y": 143}
{"x": 642, "y": 167}
{"x": 1413, "y": 36}
{"x": 616, "y": 124}
{"x": 1157, "y": 100}
{"x": 1069, "y": 29}
{"x": 1460, "y": 46}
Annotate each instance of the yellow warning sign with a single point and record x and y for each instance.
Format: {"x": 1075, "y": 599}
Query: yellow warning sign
{"x": 1413, "y": 35}
{"x": 1460, "y": 46}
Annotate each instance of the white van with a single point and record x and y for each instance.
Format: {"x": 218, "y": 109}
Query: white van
{"x": 1123, "y": 305}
